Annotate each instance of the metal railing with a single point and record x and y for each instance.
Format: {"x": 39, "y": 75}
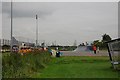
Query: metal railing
{"x": 114, "y": 53}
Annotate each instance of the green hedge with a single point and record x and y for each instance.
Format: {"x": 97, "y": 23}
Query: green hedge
{"x": 23, "y": 66}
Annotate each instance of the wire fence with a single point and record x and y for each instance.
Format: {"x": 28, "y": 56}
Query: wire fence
{"x": 18, "y": 40}
{"x": 114, "y": 52}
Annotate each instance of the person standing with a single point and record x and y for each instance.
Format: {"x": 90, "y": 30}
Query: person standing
{"x": 57, "y": 52}
{"x": 94, "y": 49}
{"x": 98, "y": 50}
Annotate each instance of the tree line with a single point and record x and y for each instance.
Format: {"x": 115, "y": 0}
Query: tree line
{"x": 102, "y": 44}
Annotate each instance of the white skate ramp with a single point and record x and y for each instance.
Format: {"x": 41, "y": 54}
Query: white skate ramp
{"x": 83, "y": 48}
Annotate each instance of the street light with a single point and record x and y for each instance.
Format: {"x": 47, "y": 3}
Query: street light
{"x": 11, "y": 28}
{"x": 36, "y": 31}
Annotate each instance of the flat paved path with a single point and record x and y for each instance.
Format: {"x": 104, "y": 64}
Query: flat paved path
{"x": 84, "y": 53}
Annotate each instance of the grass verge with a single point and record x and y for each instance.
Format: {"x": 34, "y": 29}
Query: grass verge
{"x": 18, "y": 66}
{"x": 78, "y": 67}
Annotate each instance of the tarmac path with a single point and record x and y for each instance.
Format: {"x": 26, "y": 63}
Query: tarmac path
{"x": 84, "y": 53}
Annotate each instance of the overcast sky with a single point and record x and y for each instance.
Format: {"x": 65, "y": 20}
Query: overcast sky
{"x": 63, "y": 22}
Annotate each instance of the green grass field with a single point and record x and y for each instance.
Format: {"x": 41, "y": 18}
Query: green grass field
{"x": 63, "y": 67}
{"x": 78, "y": 67}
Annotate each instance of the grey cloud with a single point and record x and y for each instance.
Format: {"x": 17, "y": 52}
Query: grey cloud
{"x": 27, "y": 9}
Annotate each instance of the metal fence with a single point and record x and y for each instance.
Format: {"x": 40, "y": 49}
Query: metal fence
{"x": 18, "y": 40}
{"x": 4, "y": 42}
{"x": 114, "y": 53}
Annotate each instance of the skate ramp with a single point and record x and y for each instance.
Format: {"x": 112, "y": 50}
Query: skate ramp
{"x": 83, "y": 48}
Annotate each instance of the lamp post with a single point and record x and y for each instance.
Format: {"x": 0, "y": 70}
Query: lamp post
{"x": 36, "y": 31}
{"x": 11, "y": 28}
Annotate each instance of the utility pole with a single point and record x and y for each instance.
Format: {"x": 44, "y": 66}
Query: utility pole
{"x": 36, "y": 31}
{"x": 11, "y": 28}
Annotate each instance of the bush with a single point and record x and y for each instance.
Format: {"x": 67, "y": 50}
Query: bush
{"x": 22, "y": 66}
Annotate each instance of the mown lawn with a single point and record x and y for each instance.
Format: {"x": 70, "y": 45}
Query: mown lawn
{"x": 78, "y": 67}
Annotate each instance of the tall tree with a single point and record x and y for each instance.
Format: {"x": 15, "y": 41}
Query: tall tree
{"x": 97, "y": 43}
{"x": 105, "y": 38}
